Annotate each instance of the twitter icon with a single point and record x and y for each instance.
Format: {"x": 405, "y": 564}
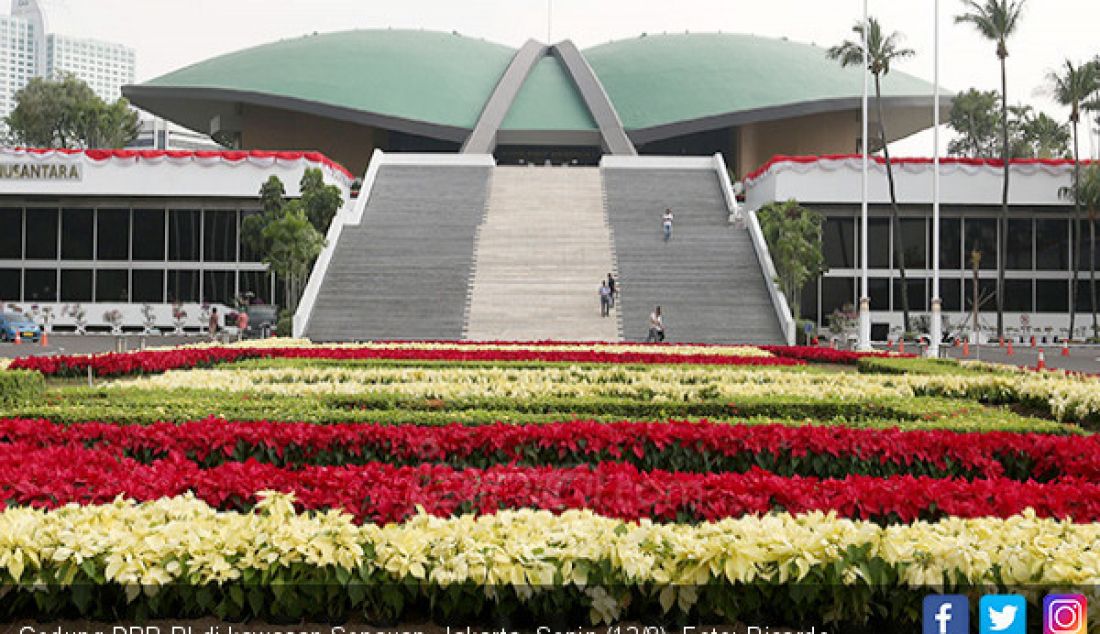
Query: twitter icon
{"x": 1002, "y": 614}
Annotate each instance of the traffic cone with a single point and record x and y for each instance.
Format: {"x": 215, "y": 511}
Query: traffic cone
{"x": 45, "y": 338}
{"x": 1011, "y": 350}
{"x": 1032, "y": 341}
{"x": 1001, "y": 342}
{"x": 18, "y": 339}
{"x": 1042, "y": 364}
{"x": 901, "y": 346}
{"x": 1065, "y": 347}
{"x": 966, "y": 347}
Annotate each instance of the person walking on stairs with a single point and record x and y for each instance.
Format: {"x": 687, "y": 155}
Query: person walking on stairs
{"x": 656, "y": 327}
{"x": 605, "y": 299}
{"x": 666, "y": 224}
{"x": 611, "y": 285}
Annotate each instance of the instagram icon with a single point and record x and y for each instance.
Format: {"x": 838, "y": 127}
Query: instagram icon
{"x": 1065, "y": 614}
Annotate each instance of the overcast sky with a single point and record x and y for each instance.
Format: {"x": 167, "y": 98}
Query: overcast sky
{"x": 168, "y": 34}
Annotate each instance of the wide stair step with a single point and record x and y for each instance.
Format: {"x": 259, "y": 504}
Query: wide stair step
{"x": 404, "y": 272}
{"x": 707, "y": 278}
{"x": 541, "y": 253}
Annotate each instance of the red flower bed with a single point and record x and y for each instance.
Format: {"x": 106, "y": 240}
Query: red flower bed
{"x": 376, "y": 492}
{"x": 832, "y": 451}
{"x": 154, "y": 361}
{"x": 814, "y": 354}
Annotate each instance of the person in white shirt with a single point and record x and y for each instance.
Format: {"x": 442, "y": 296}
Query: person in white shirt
{"x": 605, "y": 299}
{"x": 666, "y": 224}
{"x": 656, "y": 326}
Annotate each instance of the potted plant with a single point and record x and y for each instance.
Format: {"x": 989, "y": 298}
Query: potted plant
{"x": 114, "y": 318}
{"x": 179, "y": 318}
{"x": 149, "y": 319}
{"x": 79, "y": 316}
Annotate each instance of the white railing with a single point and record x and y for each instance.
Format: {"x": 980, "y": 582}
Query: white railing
{"x": 779, "y": 301}
{"x": 348, "y": 215}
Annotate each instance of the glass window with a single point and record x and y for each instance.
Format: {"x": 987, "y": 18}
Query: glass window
{"x": 951, "y": 243}
{"x": 41, "y": 234}
{"x": 836, "y": 292}
{"x": 1051, "y": 296}
{"x": 183, "y": 286}
{"x": 878, "y": 244}
{"x": 838, "y": 242}
{"x": 219, "y": 287}
{"x": 149, "y": 234}
{"x": 76, "y": 235}
{"x": 76, "y": 285}
{"x": 255, "y": 286}
{"x": 112, "y": 234}
{"x": 9, "y": 286}
{"x": 917, "y": 294}
{"x": 11, "y": 234}
{"x": 981, "y": 235}
{"x": 148, "y": 286}
{"x": 112, "y": 285}
{"x": 1052, "y": 245}
{"x": 1018, "y": 295}
{"x": 879, "y": 290}
{"x": 40, "y": 285}
{"x": 914, "y": 232}
{"x": 1084, "y": 296}
{"x": 183, "y": 235}
{"x": 219, "y": 236}
{"x": 1018, "y": 255}
{"x": 1084, "y": 252}
{"x": 950, "y": 293}
{"x": 809, "y": 300}
{"x": 987, "y": 295}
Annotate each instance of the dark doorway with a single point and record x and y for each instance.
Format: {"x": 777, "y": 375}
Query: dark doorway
{"x": 540, "y": 154}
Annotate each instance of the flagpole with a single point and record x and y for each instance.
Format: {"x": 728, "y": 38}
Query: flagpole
{"x": 864, "y": 297}
{"x": 936, "y": 329}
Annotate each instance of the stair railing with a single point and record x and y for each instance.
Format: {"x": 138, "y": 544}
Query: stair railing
{"x": 348, "y": 215}
{"x": 760, "y": 245}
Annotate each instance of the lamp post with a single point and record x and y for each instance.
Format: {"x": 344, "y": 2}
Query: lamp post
{"x": 865, "y": 295}
{"x": 936, "y": 327}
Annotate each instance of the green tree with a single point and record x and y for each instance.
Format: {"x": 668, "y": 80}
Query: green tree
{"x": 793, "y": 234}
{"x": 293, "y": 245}
{"x": 66, "y": 113}
{"x": 976, "y": 120}
{"x": 1086, "y": 193}
{"x": 321, "y": 201}
{"x": 996, "y": 21}
{"x": 882, "y": 52}
{"x": 1074, "y": 86}
{"x": 1044, "y": 136}
{"x": 272, "y": 199}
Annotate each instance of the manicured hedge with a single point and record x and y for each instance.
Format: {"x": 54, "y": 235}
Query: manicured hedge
{"x": 20, "y": 387}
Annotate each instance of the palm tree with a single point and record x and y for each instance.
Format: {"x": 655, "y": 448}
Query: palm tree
{"x": 996, "y": 21}
{"x": 881, "y": 53}
{"x": 1072, "y": 89}
{"x": 1086, "y": 192}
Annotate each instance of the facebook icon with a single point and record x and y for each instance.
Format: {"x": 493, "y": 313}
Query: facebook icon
{"x": 946, "y": 614}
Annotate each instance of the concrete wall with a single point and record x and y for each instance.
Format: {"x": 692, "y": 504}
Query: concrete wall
{"x": 828, "y": 133}
{"x": 349, "y": 144}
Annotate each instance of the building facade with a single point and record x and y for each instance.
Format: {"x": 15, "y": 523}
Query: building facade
{"x": 137, "y": 231}
{"x": 1038, "y": 261}
{"x": 29, "y": 50}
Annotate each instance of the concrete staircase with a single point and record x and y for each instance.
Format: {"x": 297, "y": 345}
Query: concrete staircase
{"x": 404, "y": 272}
{"x": 707, "y": 279}
{"x": 541, "y": 253}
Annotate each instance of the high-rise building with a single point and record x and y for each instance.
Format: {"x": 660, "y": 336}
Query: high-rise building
{"x": 28, "y": 50}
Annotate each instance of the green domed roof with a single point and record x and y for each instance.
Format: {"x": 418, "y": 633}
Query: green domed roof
{"x": 427, "y": 76}
{"x": 657, "y": 80}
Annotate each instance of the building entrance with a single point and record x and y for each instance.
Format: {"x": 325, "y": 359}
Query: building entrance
{"x": 541, "y": 154}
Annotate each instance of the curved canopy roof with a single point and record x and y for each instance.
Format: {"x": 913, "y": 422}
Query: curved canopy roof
{"x": 437, "y": 84}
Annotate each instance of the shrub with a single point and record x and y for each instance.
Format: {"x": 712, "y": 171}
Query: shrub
{"x": 18, "y": 387}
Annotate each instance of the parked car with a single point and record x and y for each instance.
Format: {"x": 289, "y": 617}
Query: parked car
{"x": 261, "y": 321}
{"x": 12, "y": 323}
